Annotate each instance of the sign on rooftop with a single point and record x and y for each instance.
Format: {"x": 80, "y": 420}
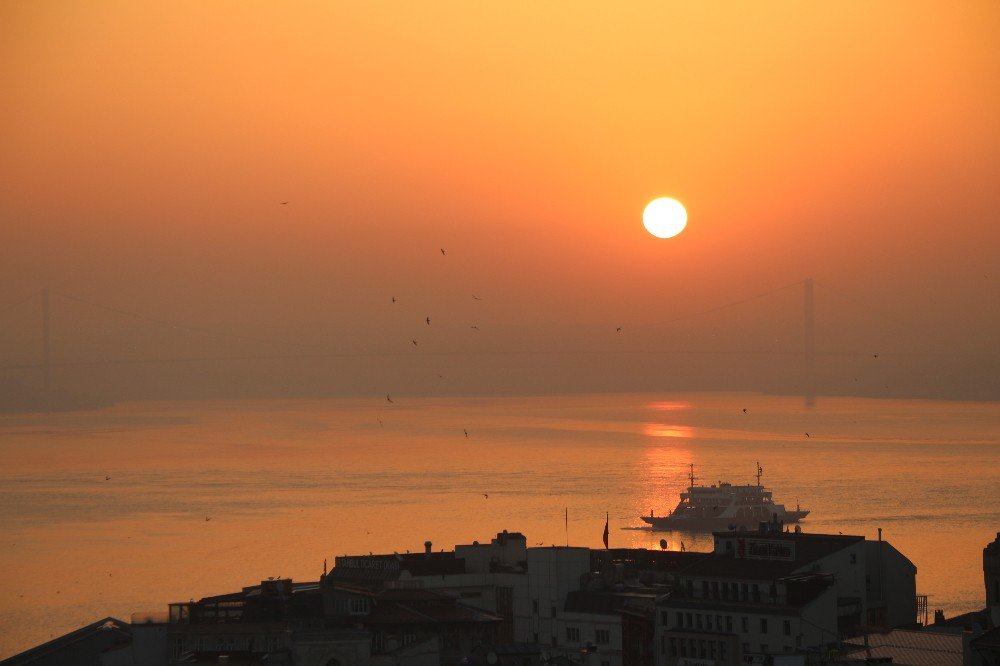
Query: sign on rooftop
{"x": 765, "y": 549}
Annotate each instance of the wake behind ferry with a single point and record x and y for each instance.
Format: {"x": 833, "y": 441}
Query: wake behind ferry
{"x": 724, "y": 506}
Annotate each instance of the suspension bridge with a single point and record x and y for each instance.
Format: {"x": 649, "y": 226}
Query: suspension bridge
{"x": 43, "y": 364}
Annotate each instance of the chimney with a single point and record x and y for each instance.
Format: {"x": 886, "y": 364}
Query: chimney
{"x": 427, "y": 548}
{"x": 938, "y": 616}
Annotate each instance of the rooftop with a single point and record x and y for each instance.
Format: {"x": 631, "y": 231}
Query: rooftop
{"x": 907, "y": 648}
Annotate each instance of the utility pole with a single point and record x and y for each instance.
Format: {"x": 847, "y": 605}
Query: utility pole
{"x": 810, "y": 343}
{"x": 46, "y": 367}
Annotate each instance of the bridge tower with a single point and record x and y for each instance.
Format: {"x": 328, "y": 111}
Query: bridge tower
{"x": 809, "y": 380}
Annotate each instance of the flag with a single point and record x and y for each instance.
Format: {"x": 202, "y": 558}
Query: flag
{"x": 607, "y": 519}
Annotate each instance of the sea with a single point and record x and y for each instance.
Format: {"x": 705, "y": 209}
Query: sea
{"x": 126, "y": 509}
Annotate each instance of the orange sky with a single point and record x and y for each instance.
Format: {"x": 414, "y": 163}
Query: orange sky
{"x": 147, "y": 148}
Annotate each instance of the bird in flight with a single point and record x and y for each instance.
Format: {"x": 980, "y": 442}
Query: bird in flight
{"x": 388, "y": 398}
{"x": 284, "y": 203}
{"x": 442, "y": 252}
{"x": 466, "y": 433}
{"x": 476, "y": 328}
{"x": 428, "y": 320}
{"x": 808, "y": 435}
{"x": 874, "y": 355}
{"x": 414, "y": 342}
{"x": 744, "y": 410}
{"x": 476, "y": 297}
{"x": 618, "y": 330}
{"x": 107, "y": 478}
{"x": 486, "y": 495}
{"x": 393, "y": 299}
{"x": 379, "y": 420}
{"x": 207, "y": 519}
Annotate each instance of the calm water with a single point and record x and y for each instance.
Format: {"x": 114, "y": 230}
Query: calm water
{"x": 285, "y": 484}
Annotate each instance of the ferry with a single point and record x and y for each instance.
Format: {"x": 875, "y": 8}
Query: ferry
{"x": 724, "y": 506}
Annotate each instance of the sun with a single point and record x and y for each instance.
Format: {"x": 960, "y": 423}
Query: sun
{"x": 664, "y": 217}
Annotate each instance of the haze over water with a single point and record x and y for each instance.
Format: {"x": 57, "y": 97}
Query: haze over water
{"x": 287, "y": 484}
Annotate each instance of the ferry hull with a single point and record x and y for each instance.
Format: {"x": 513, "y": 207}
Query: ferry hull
{"x": 708, "y": 523}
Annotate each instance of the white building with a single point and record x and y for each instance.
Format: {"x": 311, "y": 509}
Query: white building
{"x": 771, "y": 592}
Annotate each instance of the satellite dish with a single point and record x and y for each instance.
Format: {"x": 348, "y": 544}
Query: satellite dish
{"x": 663, "y": 544}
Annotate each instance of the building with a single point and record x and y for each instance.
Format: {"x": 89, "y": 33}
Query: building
{"x": 772, "y": 592}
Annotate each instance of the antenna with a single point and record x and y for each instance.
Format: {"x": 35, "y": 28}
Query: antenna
{"x": 759, "y": 472}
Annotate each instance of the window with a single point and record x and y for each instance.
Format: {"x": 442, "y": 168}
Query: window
{"x": 701, "y": 649}
{"x": 763, "y": 625}
{"x": 680, "y": 619}
{"x": 787, "y": 648}
{"x": 673, "y": 647}
{"x": 602, "y": 636}
{"x": 704, "y": 588}
{"x": 722, "y": 650}
{"x": 729, "y": 623}
{"x": 718, "y": 623}
{"x": 743, "y": 591}
{"x": 690, "y": 587}
{"x": 605, "y": 663}
{"x": 535, "y": 641}
{"x": 553, "y": 611}
{"x": 534, "y": 606}
{"x": 868, "y": 584}
{"x": 690, "y": 620}
{"x": 555, "y": 641}
{"x": 854, "y": 558}
{"x": 697, "y": 621}
{"x": 746, "y": 624}
{"x": 756, "y": 592}
{"x": 684, "y": 649}
{"x": 786, "y": 627}
{"x": 573, "y": 634}
{"x": 715, "y": 589}
{"x": 359, "y": 606}
{"x": 763, "y": 648}
{"x": 746, "y": 648}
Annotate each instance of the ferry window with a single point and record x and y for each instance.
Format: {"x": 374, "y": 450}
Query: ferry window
{"x": 786, "y": 626}
{"x": 763, "y": 625}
